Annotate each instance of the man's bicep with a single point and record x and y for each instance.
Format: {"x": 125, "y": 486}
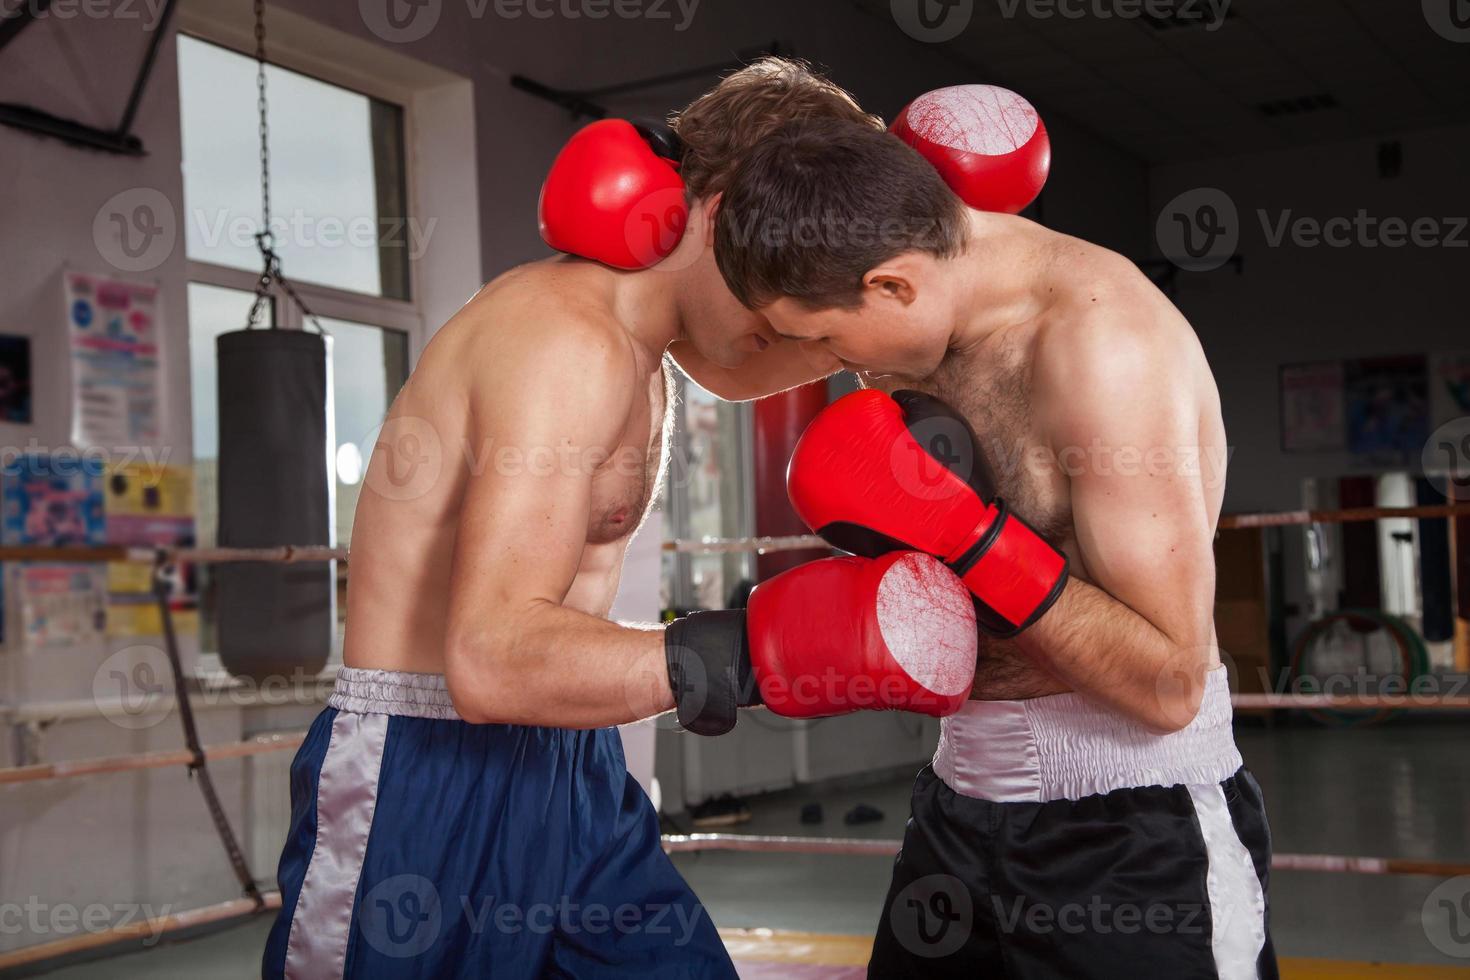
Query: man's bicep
{"x": 539, "y": 438}
{"x": 1141, "y": 516}
{"x": 520, "y": 538}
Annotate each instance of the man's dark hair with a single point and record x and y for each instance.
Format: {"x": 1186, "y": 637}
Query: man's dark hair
{"x": 821, "y": 202}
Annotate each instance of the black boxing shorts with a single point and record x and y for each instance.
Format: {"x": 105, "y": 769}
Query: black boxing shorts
{"x": 1056, "y": 838}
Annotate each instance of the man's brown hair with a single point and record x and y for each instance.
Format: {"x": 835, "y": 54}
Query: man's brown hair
{"x": 721, "y": 126}
{"x": 817, "y": 205}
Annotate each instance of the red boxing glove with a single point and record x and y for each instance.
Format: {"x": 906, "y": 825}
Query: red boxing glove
{"x": 841, "y": 634}
{"x": 612, "y": 197}
{"x": 873, "y": 474}
{"x": 987, "y": 143}
{"x": 827, "y": 638}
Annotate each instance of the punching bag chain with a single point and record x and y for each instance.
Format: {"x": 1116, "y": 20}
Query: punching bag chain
{"x": 265, "y": 239}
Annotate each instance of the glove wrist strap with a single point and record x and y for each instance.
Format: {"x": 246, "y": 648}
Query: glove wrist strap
{"x": 1015, "y": 575}
{"x": 709, "y": 670}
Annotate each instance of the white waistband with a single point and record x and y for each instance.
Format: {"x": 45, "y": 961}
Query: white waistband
{"x": 1065, "y": 747}
{"x": 392, "y": 692}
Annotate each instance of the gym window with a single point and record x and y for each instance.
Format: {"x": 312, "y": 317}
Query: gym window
{"x": 339, "y": 217}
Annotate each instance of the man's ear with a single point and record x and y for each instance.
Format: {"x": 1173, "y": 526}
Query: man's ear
{"x": 895, "y": 279}
{"x": 709, "y": 208}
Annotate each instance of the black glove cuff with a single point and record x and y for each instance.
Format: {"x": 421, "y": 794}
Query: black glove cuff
{"x": 709, "y": 670}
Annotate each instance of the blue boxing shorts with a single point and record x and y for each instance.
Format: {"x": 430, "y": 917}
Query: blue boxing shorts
{"x": 423, "y": 846}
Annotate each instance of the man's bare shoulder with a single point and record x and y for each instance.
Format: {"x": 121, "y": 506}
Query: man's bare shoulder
{"x": 544, "y": 314}
{"x": 1111, "y": 336}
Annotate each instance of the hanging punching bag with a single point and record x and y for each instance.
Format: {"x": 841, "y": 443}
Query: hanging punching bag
{"x": 275, "y": 488}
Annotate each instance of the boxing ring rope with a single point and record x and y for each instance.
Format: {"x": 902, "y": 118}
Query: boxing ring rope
{"x": 291, "y": 554}
{"x": 888, "y": 847}
{"x": 165, "y": 759}
{"x": 672, "y": 843}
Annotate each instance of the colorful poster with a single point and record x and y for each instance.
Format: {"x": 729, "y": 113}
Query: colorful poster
{"x": 1312, "y": 418}
{"x": 114, "y": 332}
{"x": 53, "y": 500}
{"x": 150, "y": 506}
{"x": 59, "y": 604}
{"x": 1387, "y": 408}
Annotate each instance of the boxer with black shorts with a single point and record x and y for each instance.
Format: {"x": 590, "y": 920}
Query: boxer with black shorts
{"x": 1043, "y": 420}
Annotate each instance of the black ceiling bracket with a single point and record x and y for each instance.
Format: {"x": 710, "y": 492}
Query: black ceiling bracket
{"x": 120, "y": 140}
{"x": 585, "y": 102}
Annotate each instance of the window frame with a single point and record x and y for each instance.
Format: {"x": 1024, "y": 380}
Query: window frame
{"x": 405, "y": 316}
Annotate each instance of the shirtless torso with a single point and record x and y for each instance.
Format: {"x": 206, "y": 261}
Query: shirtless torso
{"x": 1006, "y": 389}
{"x": 433, "y": 444}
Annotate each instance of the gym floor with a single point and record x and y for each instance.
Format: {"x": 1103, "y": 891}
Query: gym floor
{"x": 1404, "y": 785}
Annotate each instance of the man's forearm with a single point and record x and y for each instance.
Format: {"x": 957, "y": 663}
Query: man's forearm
{"x": 1102, "y": 648}
{"x": 561, "y": 668}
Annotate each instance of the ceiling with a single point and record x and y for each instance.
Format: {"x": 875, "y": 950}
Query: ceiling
{"x": 1273, "y": 74}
